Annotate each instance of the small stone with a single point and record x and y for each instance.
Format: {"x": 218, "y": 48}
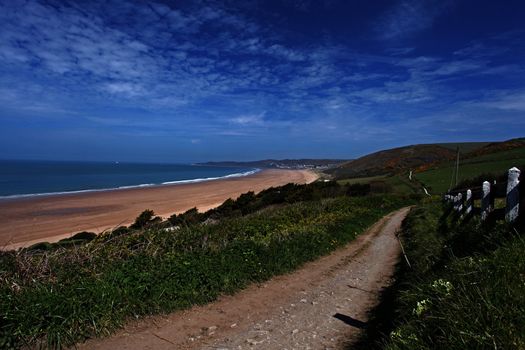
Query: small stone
{"x": 303, "y": 300}
{"x": 233, "y": 325}
{"x": 314, "y": 303}
{"x": 295, "y": 331}
{"x": 209, "y": 330}
{"x": 254, "y": 342}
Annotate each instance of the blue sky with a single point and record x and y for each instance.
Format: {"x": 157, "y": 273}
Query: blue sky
{"x": 178, "y": 81}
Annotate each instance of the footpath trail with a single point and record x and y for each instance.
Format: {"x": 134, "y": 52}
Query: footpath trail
{"x": 323, "y": 305}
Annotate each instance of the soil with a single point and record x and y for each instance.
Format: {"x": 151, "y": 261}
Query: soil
{"x": 322, "y": 305}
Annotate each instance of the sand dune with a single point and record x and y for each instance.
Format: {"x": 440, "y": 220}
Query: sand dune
{"x": 26, "y": 221}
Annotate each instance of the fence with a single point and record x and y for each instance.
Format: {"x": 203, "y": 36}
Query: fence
{"x": 513, "y": 191}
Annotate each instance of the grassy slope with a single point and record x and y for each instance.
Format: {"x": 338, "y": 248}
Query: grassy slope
{"x": 464, "y": 147}
{"x": 392, "y": 161}
{"x": 64, "y": 295}
{"x": 362, "y": 180}
{"x": 395, "y": 184}
{"x": 437, "y": 180}
{"x": 465, "y": 289}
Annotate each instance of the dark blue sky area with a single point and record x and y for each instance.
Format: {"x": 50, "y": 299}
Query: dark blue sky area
{"x": 179, "y": 81}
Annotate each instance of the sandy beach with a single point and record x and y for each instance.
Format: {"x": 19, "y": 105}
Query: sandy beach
{"x": 26, "y": 221}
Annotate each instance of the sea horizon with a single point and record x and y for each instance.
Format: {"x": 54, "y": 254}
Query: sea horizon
{"x": 30, "y": 178}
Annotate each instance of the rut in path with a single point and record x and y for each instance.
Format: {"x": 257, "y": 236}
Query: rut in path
{"x": 322, "y": 305}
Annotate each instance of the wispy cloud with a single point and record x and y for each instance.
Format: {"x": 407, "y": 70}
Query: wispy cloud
{"x": 514, "y": 101}
{"x": 208, "y": 68}
{"x": 408, "y": 17}
{"x": 249, "y": 119}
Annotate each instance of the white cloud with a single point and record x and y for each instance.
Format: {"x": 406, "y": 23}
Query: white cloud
{"x": 408, "y": 17}
{"x": 126, "y": 89}
{"x": 511, "y": 102}
{"x": 249, "y": 119}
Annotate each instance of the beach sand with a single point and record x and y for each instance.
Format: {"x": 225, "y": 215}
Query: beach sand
{"x": 29, "y": 220}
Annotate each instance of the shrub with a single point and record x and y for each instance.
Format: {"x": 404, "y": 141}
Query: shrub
{"x": 143, "y": 219}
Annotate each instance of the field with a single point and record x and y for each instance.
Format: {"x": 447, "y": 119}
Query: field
{"x": 437, "y": 180}
{"x": 56, "y": 295}
{"x": 361, "y": 180}
{"x": 396, "y": 184}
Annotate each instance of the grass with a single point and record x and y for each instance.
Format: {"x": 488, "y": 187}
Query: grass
{"x": 54, "y": 298}
{"x": 438, "y": 180}
{"x": 400, "y": 184}
{"x": 396, "y": 184}
{"x": 464, "y": 147}
{"x": 465, "y": 288}
{"x": 361, "y": 180}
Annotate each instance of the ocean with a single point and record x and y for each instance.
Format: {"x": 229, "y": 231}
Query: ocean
{"x": 20, "y": 178}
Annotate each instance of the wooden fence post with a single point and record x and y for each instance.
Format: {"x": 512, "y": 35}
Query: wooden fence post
{"x": 469, "y": 202}
{"x": 513, "y": 196}
{"x": 485, "y": 201}
{"x": 460, "y": 202}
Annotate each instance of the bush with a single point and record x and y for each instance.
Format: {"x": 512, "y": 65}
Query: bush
{"x": 143, "y": 219}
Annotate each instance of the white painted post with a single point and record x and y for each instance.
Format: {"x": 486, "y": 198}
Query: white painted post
{"x": 485, "y": 201}
{"x": 513, "y": 197}
{"x": 410, "y": 175}
{"x": 469, "y": 202}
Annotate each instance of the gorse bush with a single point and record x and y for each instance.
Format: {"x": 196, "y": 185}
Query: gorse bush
{"x": 465, "y": 290}
{"x": 57, "y": 297}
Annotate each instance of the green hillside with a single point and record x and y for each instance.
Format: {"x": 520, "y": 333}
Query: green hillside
{"x": 392, "y": 161}
{"x": 433, "y": 165}
{"x": 464, "y": 147}
{"x": 437, "y": 180}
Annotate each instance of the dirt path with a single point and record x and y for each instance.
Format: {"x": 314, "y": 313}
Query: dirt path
{"x": 320, "y": 306}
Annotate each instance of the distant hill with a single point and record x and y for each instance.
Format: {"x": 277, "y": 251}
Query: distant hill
{"x": 420, "y": 157}
{"x": 392, "y": 161}
{"x": 282, "y": 164}
{"x": 464, "y": 147}
{"x": 491, "y": 161}
{"x": 495, "y": 147}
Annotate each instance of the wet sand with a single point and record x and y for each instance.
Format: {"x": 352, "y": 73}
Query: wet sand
{"x": 26, "y": 221}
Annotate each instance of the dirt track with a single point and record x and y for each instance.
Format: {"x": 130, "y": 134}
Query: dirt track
{"x": 320, "y": 306}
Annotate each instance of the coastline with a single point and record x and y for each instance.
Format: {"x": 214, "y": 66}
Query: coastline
{"x": 32, "y": 219}
{"x": 174, "y": 182}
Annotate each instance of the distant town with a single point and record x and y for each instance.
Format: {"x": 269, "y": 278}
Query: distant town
{"x": 283, "y": 164}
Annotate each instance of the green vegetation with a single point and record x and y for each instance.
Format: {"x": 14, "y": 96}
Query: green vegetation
{"x": 392, "y": 162}
{"x": 437, "y": 180}
{"x": 60, "y": 295}
{"x": 465, "y": 288}
{"x": 361, "y": 180}
{"x": 464, "y": 147}
{"x": 396, "y": 184}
